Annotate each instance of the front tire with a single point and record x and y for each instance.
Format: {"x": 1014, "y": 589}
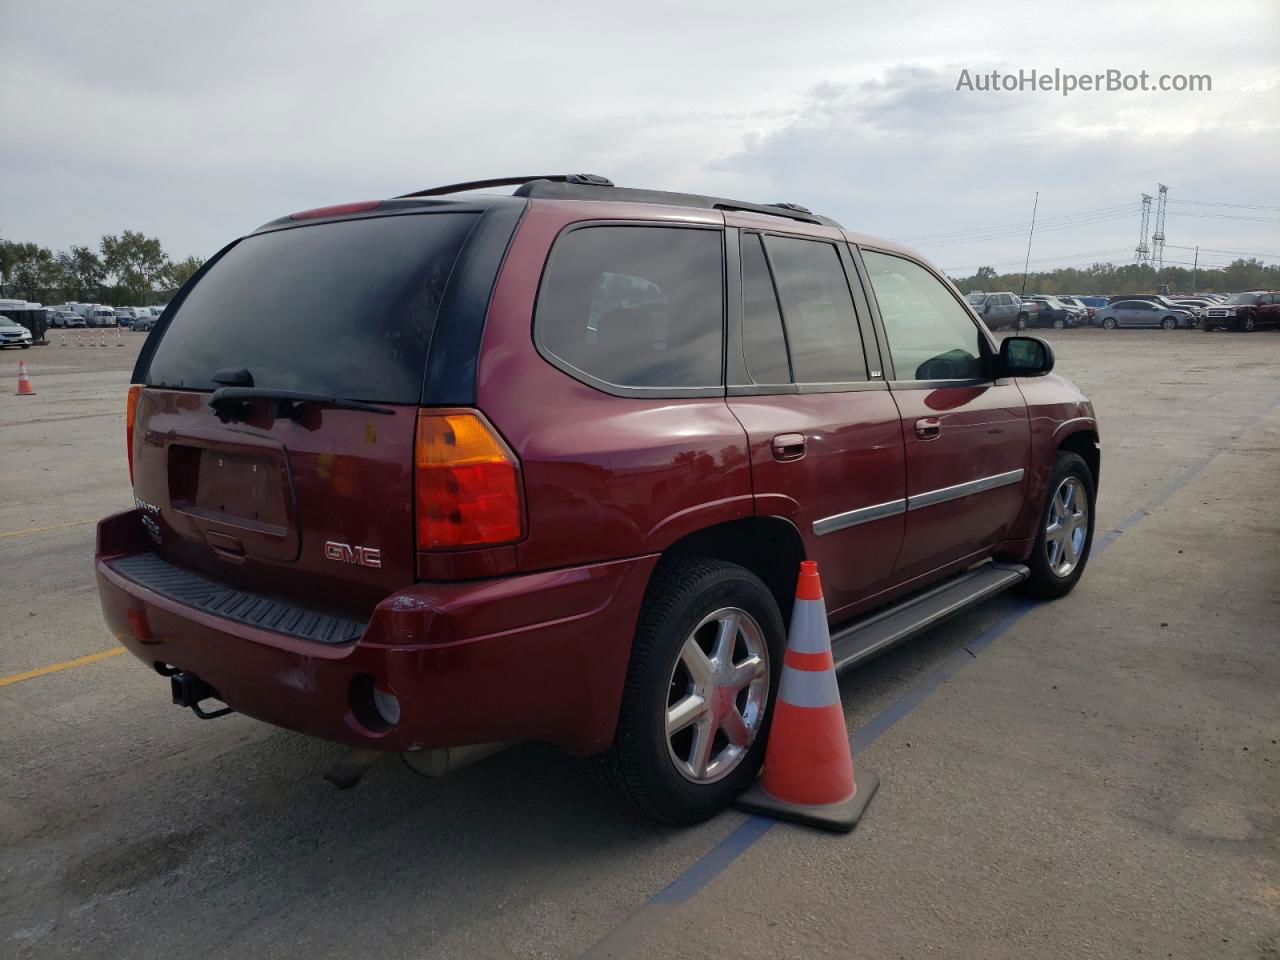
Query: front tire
{"x": 1247, "y": 324}
{"x": 1169, "y": 323}
{"x": 699, "y": 692}
{"x": 1065, "y": 537}
{"x": 1108, "y": 323}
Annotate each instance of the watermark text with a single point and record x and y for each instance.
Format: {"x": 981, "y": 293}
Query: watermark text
{"x": 1059, "y": 81}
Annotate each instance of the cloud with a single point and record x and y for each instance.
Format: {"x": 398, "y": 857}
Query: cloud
{"x": 197, "y": 123}
{"x": 904, "y": 154}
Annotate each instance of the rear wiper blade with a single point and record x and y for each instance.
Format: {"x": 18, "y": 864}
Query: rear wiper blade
{"x": 232, "y": 403}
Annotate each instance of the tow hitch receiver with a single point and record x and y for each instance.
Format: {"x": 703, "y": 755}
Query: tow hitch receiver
{"x": 189, "y": 690}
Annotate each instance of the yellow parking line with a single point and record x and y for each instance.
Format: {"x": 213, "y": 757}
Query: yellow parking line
{"x": 64, "y": 665}
{"x": 55, "y": 526}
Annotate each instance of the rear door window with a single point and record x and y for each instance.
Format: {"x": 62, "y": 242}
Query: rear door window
{"x": 817, "y": 309}
{"x": 931, "y": 336}
{"x": 635, "y": 306}
{"x": 763, "y": 345}
{"x": 342, "y": 309}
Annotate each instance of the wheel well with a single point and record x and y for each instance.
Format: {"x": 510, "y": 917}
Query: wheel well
{"x": 770, "y": 547}
{"x": 1085, "y": 444}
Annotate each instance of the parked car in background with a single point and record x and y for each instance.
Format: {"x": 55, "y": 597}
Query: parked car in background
{"x": 125, "y": 316}
{"x": 13, "y": 334}
{"x": 144, "y": 324}
{"x": 1002, "y": 310}
{"x": 65, "y": 319}
{"x": 1143, "y": 313}
{"x": 1244, "y": 312}
{"x": 366, "y": 532}
{"x": 95, "y": 314}
{"x": 1055, "y": 313}
{"x": 1197, "y": 305}
{"x": 1082, "y": 309}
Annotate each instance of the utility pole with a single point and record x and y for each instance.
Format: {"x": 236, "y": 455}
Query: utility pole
{"x": 1195, "y": 267}
{"x": 1034, "y": 207}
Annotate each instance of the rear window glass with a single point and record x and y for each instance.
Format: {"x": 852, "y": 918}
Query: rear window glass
{"x": 817, "y": 308}
{"x": 341, "y": 309}
{"x": 635, "y": 306}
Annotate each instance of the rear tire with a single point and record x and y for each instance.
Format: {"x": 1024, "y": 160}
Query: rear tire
{"x": 641, "y": 765}
{"x": 1059, "y": 324}
{"x": 1049, "y": 580}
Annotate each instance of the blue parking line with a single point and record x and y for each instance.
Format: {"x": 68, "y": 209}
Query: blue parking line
{"x": 625, "y": 937}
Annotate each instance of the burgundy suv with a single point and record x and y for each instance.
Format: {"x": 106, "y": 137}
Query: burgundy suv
{"x": 456, "y": 470}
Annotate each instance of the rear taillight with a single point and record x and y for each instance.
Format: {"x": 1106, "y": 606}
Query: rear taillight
{"x": 467, "y": 483}
{"x": 130, "y": 411}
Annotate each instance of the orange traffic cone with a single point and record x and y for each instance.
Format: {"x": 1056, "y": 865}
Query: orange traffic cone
{"x": 25, "y": 389}
{"x": 808, "y": 767}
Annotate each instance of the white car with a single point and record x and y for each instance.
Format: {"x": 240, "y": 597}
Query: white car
{"x": 13, "y": 334}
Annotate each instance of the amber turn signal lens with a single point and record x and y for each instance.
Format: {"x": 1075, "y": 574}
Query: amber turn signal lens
{"x": 466, "y": 483}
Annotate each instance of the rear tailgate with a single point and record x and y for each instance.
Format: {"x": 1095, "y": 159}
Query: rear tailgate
{"x": 319, "y": 510}
{"x": 307, "y": 501}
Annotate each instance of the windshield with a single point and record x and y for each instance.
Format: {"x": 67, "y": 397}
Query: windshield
{"x": 1248, "y": 299}
{"x": 343, "y": 309}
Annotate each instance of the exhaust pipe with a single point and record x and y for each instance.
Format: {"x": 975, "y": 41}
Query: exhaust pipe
{"x": 446, "y": 760}
{"x": 349, "y": 769}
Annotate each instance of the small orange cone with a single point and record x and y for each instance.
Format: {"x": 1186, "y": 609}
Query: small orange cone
{"x": 808, "y": 766}
{"x": 25, "y": 389}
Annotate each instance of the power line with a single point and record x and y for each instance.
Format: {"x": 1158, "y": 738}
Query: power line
{"x": 1216, "y": 203}
{"x": 1227, "y": 216}
{"x": 1012, "y": 234}
{"x": 1018, "y": 227}
{"x": 1241, "y": 253}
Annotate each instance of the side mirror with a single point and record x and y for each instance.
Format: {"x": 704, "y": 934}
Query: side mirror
{"x": 1025, "y": 357}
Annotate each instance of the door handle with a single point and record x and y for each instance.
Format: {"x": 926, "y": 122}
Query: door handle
{"x": 928, "y": 428}
{"x": 788, "y": 446}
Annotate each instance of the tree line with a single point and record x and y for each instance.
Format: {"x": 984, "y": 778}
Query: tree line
{"x": 1108, "y": 279}
{"x": 125, "y": 270}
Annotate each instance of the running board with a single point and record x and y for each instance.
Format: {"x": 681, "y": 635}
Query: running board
{"x": 864, "y": 639}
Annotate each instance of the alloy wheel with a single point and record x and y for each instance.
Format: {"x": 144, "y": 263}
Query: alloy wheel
{"x": 1067, "y": 528}
{"x": 717, "y": 695}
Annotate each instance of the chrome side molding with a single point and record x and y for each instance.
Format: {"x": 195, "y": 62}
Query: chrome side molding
{"x": 852, "y": 518}
{"x": 980, "y": 485}
{"x": 878, "y": 511}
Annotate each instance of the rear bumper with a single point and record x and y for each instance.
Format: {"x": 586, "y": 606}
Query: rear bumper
{"x": 536, "y": 656}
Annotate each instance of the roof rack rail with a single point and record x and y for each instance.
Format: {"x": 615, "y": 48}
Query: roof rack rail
{"x": 591, "y": 179}
{"x": 559, "y": 188}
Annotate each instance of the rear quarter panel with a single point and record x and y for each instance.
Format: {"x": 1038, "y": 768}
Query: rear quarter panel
{"x": 605, "y": 477}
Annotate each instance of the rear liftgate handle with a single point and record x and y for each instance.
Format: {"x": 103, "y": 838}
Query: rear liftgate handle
{"x": 928, "y": 428}
{"x": 788, "y": 446}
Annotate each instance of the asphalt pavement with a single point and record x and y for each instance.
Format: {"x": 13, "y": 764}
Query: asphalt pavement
{"x": 1095, "y": 777}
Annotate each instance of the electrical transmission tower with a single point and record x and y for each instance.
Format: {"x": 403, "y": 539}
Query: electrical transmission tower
{"x": 1157, "y": 238}
{"x": 1141, "y": 251}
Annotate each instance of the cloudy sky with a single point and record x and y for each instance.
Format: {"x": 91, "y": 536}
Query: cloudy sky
{"x": 197, "y": 122}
